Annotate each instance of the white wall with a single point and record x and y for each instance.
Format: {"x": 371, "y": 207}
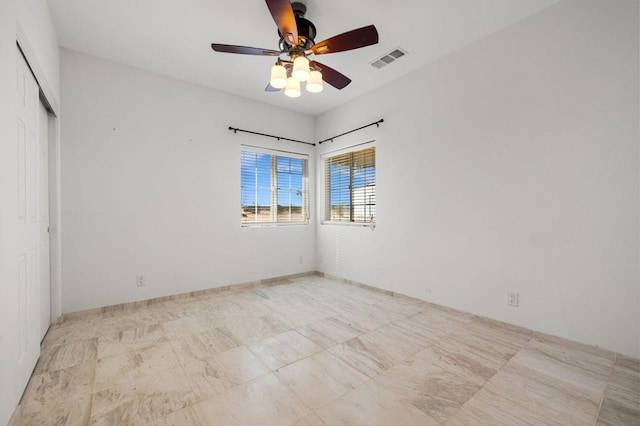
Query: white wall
{"x": 35, "y": 22}
{"x": 151, "y": 185}
{"x": 512, "y": 164}
{"x": 33, "y": 19}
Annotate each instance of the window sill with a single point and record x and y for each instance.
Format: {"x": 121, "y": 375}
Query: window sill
{"x": 272, "y": 225}
{"x": 371, "y": 225}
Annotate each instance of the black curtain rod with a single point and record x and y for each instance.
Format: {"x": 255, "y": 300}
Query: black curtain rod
{"x": 377, "y": 124}
{"x": 269, "y": 136}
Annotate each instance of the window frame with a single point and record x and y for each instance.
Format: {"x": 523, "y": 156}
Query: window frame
{"x": 274, "y": 189}
{"x": 325, "y": 199}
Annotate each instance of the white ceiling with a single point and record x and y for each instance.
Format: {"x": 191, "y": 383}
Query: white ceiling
{"x": 173, "y": 37}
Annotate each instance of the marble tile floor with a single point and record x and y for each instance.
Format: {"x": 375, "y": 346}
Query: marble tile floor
{"x": 315, "y": 351}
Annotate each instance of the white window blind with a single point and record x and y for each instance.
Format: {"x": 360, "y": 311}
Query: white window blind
{"x": 274, "y": 187}
{"x": 350, "y": 186}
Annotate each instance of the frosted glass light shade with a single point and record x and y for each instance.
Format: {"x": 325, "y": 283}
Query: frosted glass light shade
{"x": 278, "y": 77}
{"x": 300, "y": 68}
{"x": 314, "y": 83}
{"x": 293, "y": 88}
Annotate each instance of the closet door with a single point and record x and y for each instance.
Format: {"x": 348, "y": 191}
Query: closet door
{"x": 27, "y": 221}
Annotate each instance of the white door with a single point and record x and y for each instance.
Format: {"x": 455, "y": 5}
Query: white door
{"x": 27, "y": 221}
{"x": 43, "y": 208}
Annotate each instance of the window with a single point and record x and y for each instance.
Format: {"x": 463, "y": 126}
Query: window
{"x": 274, "y": 187}
{"x": 350, "y": 186}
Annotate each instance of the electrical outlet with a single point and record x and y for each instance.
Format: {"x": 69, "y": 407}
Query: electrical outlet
{"x": 512, "y": 298}
{"x": 140, "y": 281}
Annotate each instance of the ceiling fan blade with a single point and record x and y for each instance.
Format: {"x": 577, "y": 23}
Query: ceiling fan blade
{"x": 270, "y": 88}
{"x": 282, "y": 14}
{"x": 331, "y": 76}
{"x": 354, "y": 39}
{"x": 243, "y": 50}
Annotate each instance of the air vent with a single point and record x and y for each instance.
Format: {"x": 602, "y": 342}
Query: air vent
{"x": 390, "y": 57}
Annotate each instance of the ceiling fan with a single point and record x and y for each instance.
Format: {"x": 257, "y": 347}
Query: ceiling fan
{"x": 297, "y": 42}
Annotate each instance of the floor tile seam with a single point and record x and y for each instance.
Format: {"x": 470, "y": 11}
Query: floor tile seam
{"x": 447, "y": 334}
{"x": 270, "y": 371}
{"x": 315, "y": 322}
{"x": 477, "y": 390}
{"x": 141, "y": 342}
{"x": 459, "y": 375}
{"x": 311, "y": 410}
{"x": 571, "y": 388}
{"x": 459, "y": 326}
{"x": 384, "y": 370}
{"x": 53, "y": 370}
{"x": 611, "y": 364}
{"x": 625, "y": 374}
{"x": 171, "y": 342}
{"x": 410, "y": 356}
{"x": 139, "y": 403}
{"x": 520, "y": 347}
{"x": 517, "y": 403}
{"x": 234, "y": 386}
{"x": 181, "y": 335}
{"x": 454, "y": 373}
{"x": 352, "y": 365}
{"x": 49, "y": 346}
{"x": 491, "y": 378}
{"x": 577, "y": 369}
{"x": 430, "y": 343}
{"x": 604, "y": 393}
{"x": 523, "y": 408}
{"x": 595, "y": 420}
{"x": 148, "y": 343}
{"x": 184, "y": 373}
{"x": 364, "y": 383}
{"x": 93, "y": 386}
{"x": 291, "y": 363}
{"x": 373, "y": 379}
{"x": 352, "y": 325}
{"x": 619, "y": 394}
{"x": 381, "y": 326}
{"x": 175, "y": 352}
{"x": 231, "y": 389}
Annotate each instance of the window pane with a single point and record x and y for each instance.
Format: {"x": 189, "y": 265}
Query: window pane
{"x": 255, "y": 172}
{"x": 273, "y": 188}
{"x": 350, "y": 187}
{"x": 290, "y": 189}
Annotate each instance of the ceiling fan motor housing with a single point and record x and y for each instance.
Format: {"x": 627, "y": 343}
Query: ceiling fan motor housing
{"x": 306, "y": 33}
{"x": 306, "y": 29}
{"x": 299, "y": 9}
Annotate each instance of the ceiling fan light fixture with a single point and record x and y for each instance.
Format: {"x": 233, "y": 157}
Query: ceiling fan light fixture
{"x": 314, "y": 84}
{"x": 301, "y": 68}
{"x": 293, "y": 88}
{"x": 278, "y": 76}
